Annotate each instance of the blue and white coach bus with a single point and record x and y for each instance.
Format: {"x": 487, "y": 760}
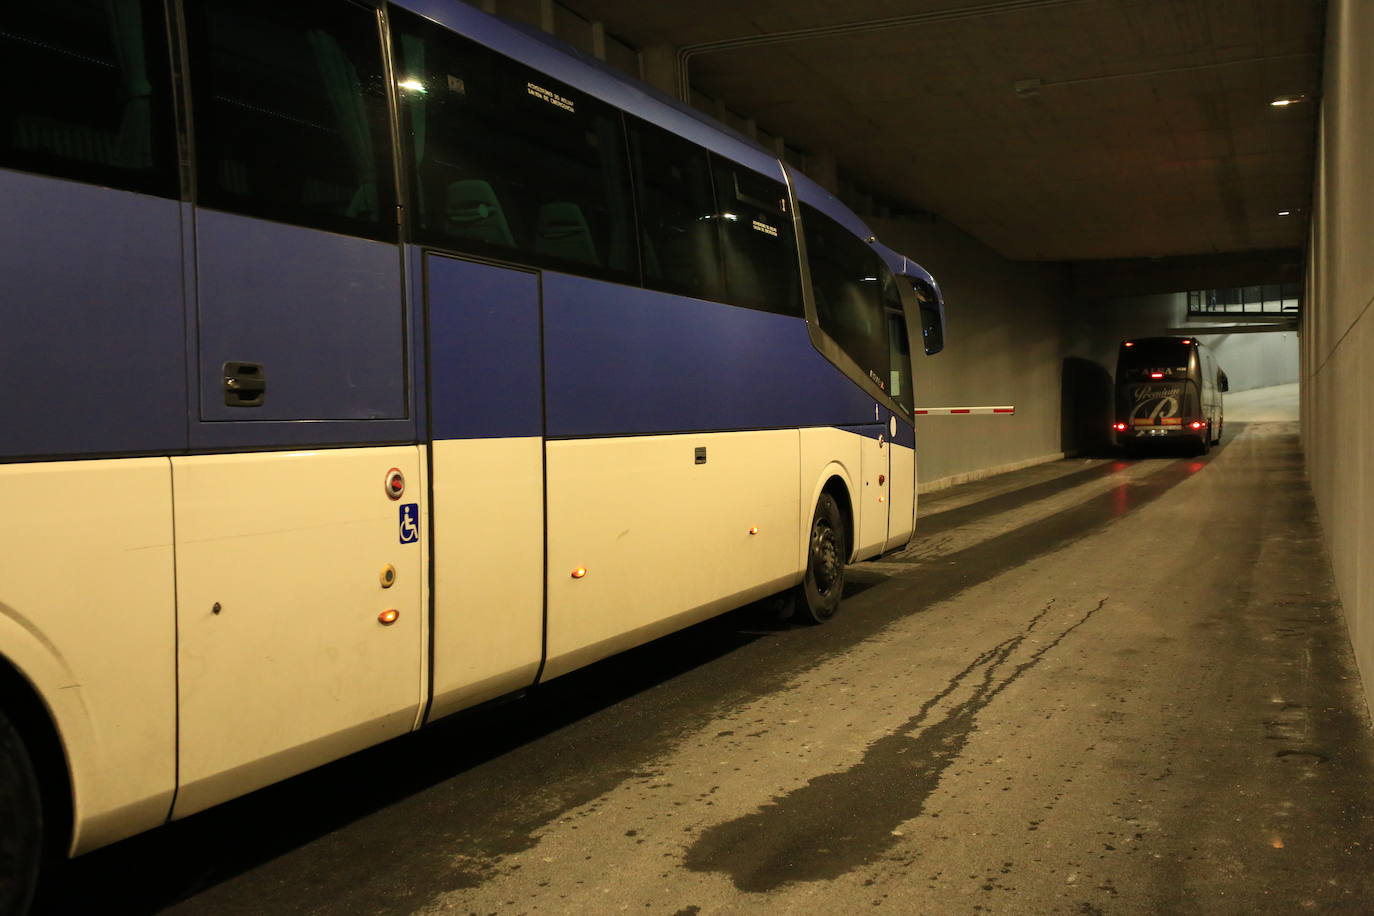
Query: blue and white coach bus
{"x": 367, "y": 361}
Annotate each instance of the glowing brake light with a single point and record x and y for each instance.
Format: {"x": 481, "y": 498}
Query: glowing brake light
{"x": 1196, "y": 424}
{"x": 1119, "y": 427}
{"x": 1187, "y": 340}
{"x": 1156, "y": 375}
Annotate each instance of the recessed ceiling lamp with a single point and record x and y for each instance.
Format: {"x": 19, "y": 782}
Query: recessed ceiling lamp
{"x": 1284, "y": 101}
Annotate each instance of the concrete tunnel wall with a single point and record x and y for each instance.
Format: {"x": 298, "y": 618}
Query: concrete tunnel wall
{"x": 1337, "y": 330}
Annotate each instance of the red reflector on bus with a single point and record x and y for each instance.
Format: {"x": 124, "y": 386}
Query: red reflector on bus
{"x": 1156, "y": 375}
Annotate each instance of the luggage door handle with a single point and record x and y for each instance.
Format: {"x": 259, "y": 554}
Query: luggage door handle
{"x": 245, "y": 384}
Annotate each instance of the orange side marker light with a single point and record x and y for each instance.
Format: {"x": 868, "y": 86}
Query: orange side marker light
{"x": 754, "y": 529}
{"x": 388, "y": 617}
{"x": 580, "y": 572}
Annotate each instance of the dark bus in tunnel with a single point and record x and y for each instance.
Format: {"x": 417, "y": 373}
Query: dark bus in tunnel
{"x": 1168, "y": 390}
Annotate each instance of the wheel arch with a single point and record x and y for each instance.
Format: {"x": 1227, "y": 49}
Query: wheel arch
{"x": 834, "y": 480}
{"x": 34, "y": 721}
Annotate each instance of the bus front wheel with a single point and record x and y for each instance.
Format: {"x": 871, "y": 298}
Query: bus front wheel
{"x": 818, "y": 596}
{"x": 21, "y": 830}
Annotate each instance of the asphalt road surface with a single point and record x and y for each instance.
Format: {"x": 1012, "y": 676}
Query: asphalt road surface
{"x": 1094, "y": 686}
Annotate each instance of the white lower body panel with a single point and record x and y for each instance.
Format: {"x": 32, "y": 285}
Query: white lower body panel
{"x": 901, "y": 496}
{"x": 88, "y": 616}
{"x": 284, "y": 661}
{"x": 665, "y": 541}
{"x": 488, "y": 569}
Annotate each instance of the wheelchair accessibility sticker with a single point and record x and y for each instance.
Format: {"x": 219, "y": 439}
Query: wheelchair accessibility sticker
{"x": 410, "y": 523}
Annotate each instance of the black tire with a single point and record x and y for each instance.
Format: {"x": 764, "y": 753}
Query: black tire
{"x": 818, "y": 597}
{"x": 21, "y": 823}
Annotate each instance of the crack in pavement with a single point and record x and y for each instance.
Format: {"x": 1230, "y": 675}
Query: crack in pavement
{"x": 840, "y": 821}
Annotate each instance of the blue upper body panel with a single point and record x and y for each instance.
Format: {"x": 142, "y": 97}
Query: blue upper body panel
{"x": 626, "y": 361}
{"x": 322, "y": 312}
{"x": 129, "y": 306}
{"x": 93, "y": 345}
{"x": 486, "y": 377}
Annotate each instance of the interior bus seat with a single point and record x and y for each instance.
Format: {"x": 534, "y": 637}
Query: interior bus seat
{"x": 742, "y": 276}
{"x": 364, "y": 202}
{"x": 327, "y": 197}
{"x": 690, "y": 258}
{"x": 561, "y": 231}
{"x": 76, "y": 142}
{"x": 233, "y": 176}
{"x": 474, "y": 213}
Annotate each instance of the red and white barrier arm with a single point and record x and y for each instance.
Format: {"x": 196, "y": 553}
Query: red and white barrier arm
{"x": 947, "y": 411}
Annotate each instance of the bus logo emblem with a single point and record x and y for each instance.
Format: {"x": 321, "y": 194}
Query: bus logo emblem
{"x": 410, "y": 523}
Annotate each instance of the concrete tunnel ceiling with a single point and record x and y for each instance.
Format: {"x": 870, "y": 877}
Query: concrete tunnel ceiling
{"x": 1051, "y": 130}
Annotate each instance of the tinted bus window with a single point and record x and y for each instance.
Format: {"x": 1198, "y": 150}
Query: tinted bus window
{"x": 508, "y": 162}
{"x": 1155, "y": 354}
{"x": 757, "y": 240}
{"x": 291, "y": 114}
{"x": 847, "y": 280}
{"x": 86, "y": 93}
{"x": 678, "y": 241}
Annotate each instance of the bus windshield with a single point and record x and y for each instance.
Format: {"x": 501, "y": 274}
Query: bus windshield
{"x": 1155, "y": 354}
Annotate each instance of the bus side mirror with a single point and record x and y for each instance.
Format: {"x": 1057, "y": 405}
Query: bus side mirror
{"x": 932, "y": 331}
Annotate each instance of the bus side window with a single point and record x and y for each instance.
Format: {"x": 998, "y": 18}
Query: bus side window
{"x": 847, "y": 281}
{"x": 899, "y": 345}
{"x": 508, "y": 162}
{"x": 757, "y": 240}
{"x": 291, "y": 114}
{"x": 87, "y": 93}
{"x": 678, "y": 239}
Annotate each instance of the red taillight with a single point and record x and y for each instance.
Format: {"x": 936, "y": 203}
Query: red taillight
{"x": 1129, "y": 343}
{"x": 1119, "y": 427}
{"x": 1187, "y": 340}
{"x": 1196, "y": 424}
{"x": 1156, "y": 375}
